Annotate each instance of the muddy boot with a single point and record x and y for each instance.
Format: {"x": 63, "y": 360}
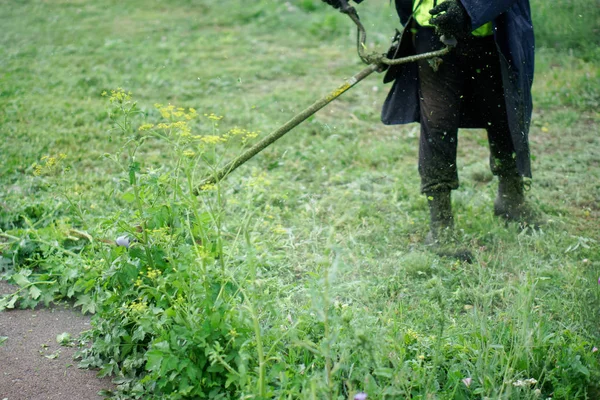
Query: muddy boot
{"x": 441, "y": 223}
{"x": 441, "y": 236}
{"x": 510, "y": 203}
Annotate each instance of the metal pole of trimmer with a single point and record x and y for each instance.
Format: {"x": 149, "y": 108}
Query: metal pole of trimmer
{"x": 376, "y": 64}
{"x": 288, "y": 126}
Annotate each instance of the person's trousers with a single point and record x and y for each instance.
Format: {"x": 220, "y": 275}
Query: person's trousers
{"x": 466, "y": 85}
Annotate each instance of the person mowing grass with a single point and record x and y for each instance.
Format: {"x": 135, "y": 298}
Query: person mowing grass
{"x": 485, "y": 82}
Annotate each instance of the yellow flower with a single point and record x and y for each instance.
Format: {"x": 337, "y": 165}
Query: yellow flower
{"x": 138, "y": 306}
{"x": 202, "y": 252}
{"x": 153, "y": 273}
{"x": 189, "y": 153}
{"x": 191, "y": 114}
{"x": 50, "y": 161}
{"x": 250, "y": 135}
{"x": 166, "y": 111}
{"x": 184, "y": 129}
{"x": 237, "y": 131}
{"x": 412, "y": 335}
{"x": 119, "y": 96}
{"x": 279, "y": 229}
{"x": 213, "y": 117}
{"x": 146, "y": 127}
{"x": 212, "y": 139}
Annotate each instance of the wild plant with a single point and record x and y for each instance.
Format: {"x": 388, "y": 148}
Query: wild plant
{"x": 193, "y": 295}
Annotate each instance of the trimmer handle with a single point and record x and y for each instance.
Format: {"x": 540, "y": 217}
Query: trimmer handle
{"x": 361, "y": 38}
{"x": 345, "y": 7}
{"x": 382, "y": 59}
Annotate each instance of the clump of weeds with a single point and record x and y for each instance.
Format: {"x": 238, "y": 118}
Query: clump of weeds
{"x": 302, "y": 276}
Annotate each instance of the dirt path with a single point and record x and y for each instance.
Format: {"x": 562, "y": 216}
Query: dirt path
{"x": 33, "y": 366}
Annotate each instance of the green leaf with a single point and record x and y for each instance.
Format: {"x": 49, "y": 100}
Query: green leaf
{"x": 162, "y": 345}
{"x": 139, "y": 334}
{"x": 87, "y": 304}
{"x": 8, "y": 301}
{"x": 5, "y": 262}
{"x": 215, "y": 320}
{"x": 53, "y": 355}
{"x": 154, "y": 359}
{"x": 192, "y": 372}
{"x": 20, "y": 280}
{"x": 384, "y": 372}
{"x": 184, "y": 386}
{"x": 582, "y": 369}
{"x": 34, "y": 292}
{"x": 3, "y": 339}
{"x": 128, "y": 197}
{"x": 170, "y": 364}
{"x": 64, "y": 339}
{"x": 108, "y": 369}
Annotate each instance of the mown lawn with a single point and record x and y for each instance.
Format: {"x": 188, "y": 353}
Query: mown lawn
{"x": 303, "y": 275}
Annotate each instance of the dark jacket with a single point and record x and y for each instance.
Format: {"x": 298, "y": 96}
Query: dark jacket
{"x": 513, "y": 34}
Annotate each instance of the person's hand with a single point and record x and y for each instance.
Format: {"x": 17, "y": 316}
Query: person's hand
{"x": 337, "y": 3}
{"x": 450, "y": 18}
{"x": 333, "y": 3}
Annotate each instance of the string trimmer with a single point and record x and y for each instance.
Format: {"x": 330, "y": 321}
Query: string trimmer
{"x": 376, "y": 63}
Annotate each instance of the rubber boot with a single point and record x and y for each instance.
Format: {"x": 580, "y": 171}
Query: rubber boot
{"x": 441, "y": 236}
{"x": 441, "y": 223}
{"x": 510, "y": 202}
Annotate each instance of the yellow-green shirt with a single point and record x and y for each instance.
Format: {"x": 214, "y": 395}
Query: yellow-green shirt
{"x": 422, "y": 16}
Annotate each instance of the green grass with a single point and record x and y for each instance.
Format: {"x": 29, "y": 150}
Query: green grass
{"x": 322, "y": 265}
{"x": 568, "y": 25}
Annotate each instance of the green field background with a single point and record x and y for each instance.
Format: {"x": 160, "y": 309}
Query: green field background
{"x": 322, "y": 232}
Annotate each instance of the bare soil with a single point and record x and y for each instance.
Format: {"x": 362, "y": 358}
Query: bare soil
{"x": 33, "y": 366}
